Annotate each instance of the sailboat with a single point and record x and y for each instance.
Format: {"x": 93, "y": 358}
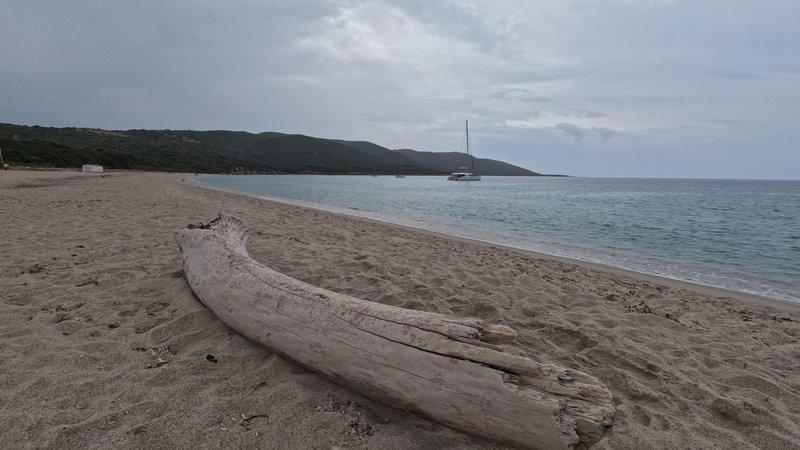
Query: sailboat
{"x": 400, "y": 175}
{"x": 466, "y": 173}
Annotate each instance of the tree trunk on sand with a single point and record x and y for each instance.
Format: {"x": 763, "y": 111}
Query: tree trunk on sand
{"x": 442, "y": 367}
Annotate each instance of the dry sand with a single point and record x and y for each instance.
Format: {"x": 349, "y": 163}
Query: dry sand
{"x": 103, "y": 345}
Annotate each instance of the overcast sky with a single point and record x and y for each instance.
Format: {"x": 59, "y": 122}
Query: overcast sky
{"x": 638, "y": 88}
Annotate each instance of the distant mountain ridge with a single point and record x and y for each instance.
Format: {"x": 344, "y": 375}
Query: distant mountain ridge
{"x": 224, "y": 151}
{"x": 447, "y": 162}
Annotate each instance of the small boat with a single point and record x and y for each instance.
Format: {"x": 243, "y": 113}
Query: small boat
{"x": 464, "y": 176}
{"x": 467, "y": 173}
{"x": 400, "y": 175}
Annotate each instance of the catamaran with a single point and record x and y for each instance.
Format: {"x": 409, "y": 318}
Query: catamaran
{"x": 467, "y": 173}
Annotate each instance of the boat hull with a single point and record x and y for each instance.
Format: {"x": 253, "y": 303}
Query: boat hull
{"x": 461, "y": 176}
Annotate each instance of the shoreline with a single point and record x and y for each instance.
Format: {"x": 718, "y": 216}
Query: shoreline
{"x": 106, "y": 345}
{"x": 787, "y": 305}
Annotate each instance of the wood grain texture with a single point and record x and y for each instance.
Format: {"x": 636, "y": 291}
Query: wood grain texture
{"x": 450, "y": 369}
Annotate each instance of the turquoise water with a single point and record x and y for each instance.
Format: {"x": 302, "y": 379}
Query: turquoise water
{"x": 742, "y": 235}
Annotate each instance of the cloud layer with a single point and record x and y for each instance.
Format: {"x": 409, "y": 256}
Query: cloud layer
{"x": 596, "y": 88}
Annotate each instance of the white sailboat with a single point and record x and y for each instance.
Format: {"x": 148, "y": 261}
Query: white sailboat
{"x": 467, "y": 173}
{"x": 400, "y": 175}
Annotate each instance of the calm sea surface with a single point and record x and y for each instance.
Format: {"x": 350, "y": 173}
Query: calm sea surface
{"x": 737, "y": 234}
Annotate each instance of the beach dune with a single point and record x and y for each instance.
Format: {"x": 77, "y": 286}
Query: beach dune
{"x": 103, "y": 344}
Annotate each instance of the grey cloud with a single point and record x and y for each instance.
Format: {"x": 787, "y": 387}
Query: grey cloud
{"x": 571, "y": 130}
{"x": 587, "y": 113}
{"x": 522, "y": 115}
{"x": 581, "y": 113}
{"x": 523, "y": 95}
{"x": 605, "y": 133}
{"x": 407, "y": 74}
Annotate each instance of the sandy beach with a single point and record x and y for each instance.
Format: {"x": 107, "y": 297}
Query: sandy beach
{"x": 103, "y": 344}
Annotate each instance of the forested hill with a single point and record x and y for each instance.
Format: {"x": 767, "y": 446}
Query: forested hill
{"x": 223, "y": 152}
{"x": 447, "y": 162}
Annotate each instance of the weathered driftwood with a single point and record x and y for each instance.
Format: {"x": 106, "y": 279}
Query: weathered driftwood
{"x": 444, "y": 367}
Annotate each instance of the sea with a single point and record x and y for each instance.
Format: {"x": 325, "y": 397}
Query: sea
{"x": 741, "y": 235}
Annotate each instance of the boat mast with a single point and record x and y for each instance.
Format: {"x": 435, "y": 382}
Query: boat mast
{"x": 469, "y": 152}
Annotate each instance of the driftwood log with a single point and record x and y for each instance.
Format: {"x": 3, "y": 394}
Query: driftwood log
{"x": 443, "y": 367}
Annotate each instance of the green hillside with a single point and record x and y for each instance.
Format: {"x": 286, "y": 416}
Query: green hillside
{"x": 448, "y": 162}
{"x": 222, "y": 152}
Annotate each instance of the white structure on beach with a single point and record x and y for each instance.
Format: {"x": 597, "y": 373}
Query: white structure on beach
{"x": 92, "y": 168}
